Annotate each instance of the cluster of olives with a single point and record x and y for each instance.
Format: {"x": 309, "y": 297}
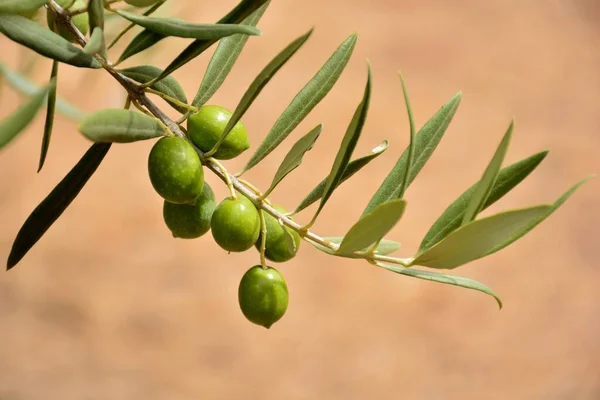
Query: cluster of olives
{"x": 190, "y": 209}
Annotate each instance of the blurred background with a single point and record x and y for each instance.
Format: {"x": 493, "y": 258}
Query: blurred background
{"x": 108, "y": 306}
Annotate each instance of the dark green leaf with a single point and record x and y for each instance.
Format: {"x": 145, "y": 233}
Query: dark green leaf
{"x": 372, "y": 227}
{"x": 533, "y": 224}
{"x": 257, "y": 85}
{"x": 223, "y": 59}
{"x": 96, "y": 19}
{"x": 150, "y": 11}
{"x": 49, "y": 115}
{"x": 444, "y": 278}
{"x": 20, "y": 6}
{"x": 45, "y": 42}
{"x": 508, "y": 178}
{"x": 411, "y": 144}
{"x": 49, "y": 210}
{"x": 479, "y": 238}
{"x": 351, "y": 169}
{"x": 168, "y": 86}
{"x": 120, "y": 126}
{"x": 293, "y": 158}
{"x": 383, "y": 248}
{"x": 12, "y": 125}
{"x": 96, "y": 43}
{"x": 425, "y": 143}
{"x": 139, "y": 43}
{"x": 487, "y": 181}
{"x": 347, "y": 146}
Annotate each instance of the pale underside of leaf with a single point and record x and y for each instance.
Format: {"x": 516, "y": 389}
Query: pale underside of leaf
{"x": 120, "y": 125}
{"x": 384, "y": 247}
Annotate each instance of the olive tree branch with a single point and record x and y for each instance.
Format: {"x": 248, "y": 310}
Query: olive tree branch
{"x": 138, "y": 95}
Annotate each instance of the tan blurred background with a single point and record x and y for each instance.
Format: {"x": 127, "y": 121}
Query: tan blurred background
{"x": 109, "y": 306}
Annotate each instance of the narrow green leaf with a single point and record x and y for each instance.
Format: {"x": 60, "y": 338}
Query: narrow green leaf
{"x": 223, "y": 59}
{"x": 383, "y": 248}
{"x": 235, "y": 16}
{"x": 347, "y": 147}
{"x": 561, "y": 200}
{"x": 20, "y": 6}
{"x": 351, "y": 169}
{"x": 257, "y": 85}
{"x": 411, "y": 144}
{"x": 45, "y": 42}
{"x": 96, "y": 14}
{"x": 142, "y": 41}
{"x": 508, "y": 178}
{"x": 373, "y": 226}
{"x": 444, "y": 278}
{"x": 15, "y": 123}
{"x": 478, "y": 238}
{"x": 179, "y": 28}
{"x": 293, "y": 158}
{"x": 49, "y": 210}
{"x": 168, "y": 86}
{"x": 96, "y": 43}
{"x": 310, "y": 95}
{"x": 120, "y": 126}
{"x": 150, "y": 11}
{"x": 487, "y": 181}
{"x": 49, "y": 115}
{"x": 425, "y": 143}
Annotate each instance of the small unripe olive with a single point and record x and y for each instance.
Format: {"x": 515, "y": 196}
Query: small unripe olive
{"x": 190, "y": 221}
{"x": 263, "y": 296}
{"x": 277, "y": 247}
{"x": 175, "y": 170}
{"x": 235, "y": 224}
{"x": 206, "y": 127}
{"x": 80, "y": 21}
{"x": 141, "y": 3}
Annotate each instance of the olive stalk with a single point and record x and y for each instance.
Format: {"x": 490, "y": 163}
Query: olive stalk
{"x": 137, "y": 94}
{"x": 173, "y": 100}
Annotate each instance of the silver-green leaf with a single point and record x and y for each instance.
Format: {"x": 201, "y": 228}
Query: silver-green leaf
{"x": 49, "y": 123}
{"x": 169, "y": 86}
{"x": 384, "y": 247}
{"x": 150, "y": 11}
{"x": 120, "y": 126}
{"x": 96, "y": 43}
{"x": 411, "y": 144}
{"x": 142, "y": 41}
{"x": 20, "y": 6}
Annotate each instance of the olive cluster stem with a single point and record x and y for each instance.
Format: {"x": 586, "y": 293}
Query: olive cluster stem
{"x": 137, "y": 94}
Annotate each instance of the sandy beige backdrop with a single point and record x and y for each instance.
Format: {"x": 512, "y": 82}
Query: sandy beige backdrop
{"x": 108, "y": 306}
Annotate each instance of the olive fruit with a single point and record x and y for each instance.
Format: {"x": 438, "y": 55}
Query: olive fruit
{"x": 263, "y": 296}
{"x": 190, "y": 221}
{"x": 206, "y": 126}
{"x": 141, "y": 3}
{"x": 278, "y": 247}
{"x": 235, "y": 224}
{"x": 80, "y": 21}
{"x": 175, "y": 170}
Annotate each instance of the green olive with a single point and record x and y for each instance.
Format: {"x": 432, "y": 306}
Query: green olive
{"x": 235, "y": 224}
{"x": 175, "y": 170}
{"x": 80, "y": 21}
{"x": 190, "y": 221}
{"x": 263, "y": 296}
{"x": 278, "y": 247}
{"x": 206, "y": 126}
{"x": 141, "y": 3}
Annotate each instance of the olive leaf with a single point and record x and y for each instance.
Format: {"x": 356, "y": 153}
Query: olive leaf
{"x": 372, "y": 227}
{"x": 223, "y": 59}
{"x": 139, "y": 43}
{"x": 508, "y": 178}
{"x": 310, "y": 95}
{"x": 480, "y": 237}
{"x": 486, "y": 183}
{"x": 425, "y": 143}
{"x": 293, "y": 158}
{"x": 52, "y": 207}
{"x": 150, "y": 11}
{"x": 49, "y": 123}
{"x": 96, "y": 43}
{"x": 257, "y": 85}
{"x": 411, "y": 144}
{"x": 182, "y": 29}
{"x": 25, "y": 86}
{"x": 347, "y": 146}
{"x": 44, "y": 42}
{"x": 351, "y": 169}
{"x": 120, "y": 126}
{"x": 561, "y": 200}
{"x": 20, "y": 6}
{"x": 384, "y": 247}
{"x": 15, "y": 123}
{"x": 235, "y": 16}
{"x": 443, "y": 278}
{"x": 168, "y": 86}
